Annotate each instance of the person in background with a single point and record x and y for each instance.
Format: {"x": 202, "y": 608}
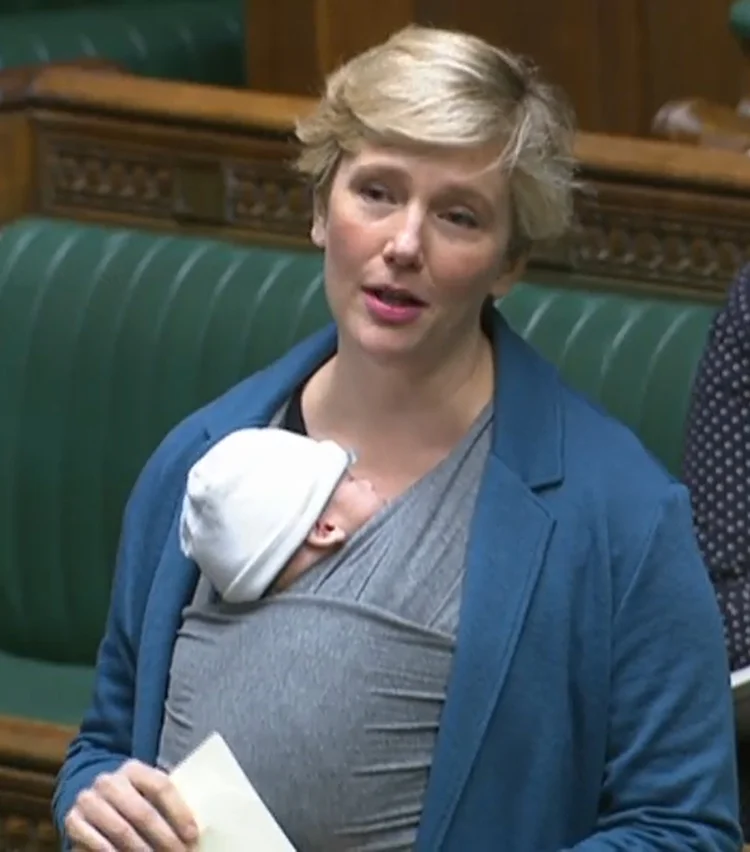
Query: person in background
{"x": 521, "y": 650}
{"x": 716, "y": 470}
{"x": 716, "y": 465}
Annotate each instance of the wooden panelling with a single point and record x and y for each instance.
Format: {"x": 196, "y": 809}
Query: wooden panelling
{"x": 691, "y": 52}
{"x": 345, "y": 28}
{"x": 127, "y": 150}
{"x": 16, "y": 174}
{"x": 623, "y": 76}
{"x": 293, "y": 44}
{"x": 30, "y": 757}
{"x": 618, "y": 60}
{"x": 562, "y": 38}
{"x": 282, "y": 49}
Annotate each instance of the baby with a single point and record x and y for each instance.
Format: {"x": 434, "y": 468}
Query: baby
{"x": 266, "y": 501}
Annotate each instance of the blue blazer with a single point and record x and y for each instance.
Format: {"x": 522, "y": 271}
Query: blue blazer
{"x": 588, "y": 707}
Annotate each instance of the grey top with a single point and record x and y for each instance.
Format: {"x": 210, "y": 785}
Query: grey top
{"x": 330, "y": 693}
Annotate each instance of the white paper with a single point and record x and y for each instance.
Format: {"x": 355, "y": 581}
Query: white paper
{"x": 230, "y": 814}
{"x": 741, "y": 679}
{"x": 741, "y": 696}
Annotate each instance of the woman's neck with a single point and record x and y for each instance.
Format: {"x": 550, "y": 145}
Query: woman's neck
{"x": 357, "y": 396}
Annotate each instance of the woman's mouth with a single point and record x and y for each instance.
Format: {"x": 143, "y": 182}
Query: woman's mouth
{"x": 395, "y": 296}
{"x": 392, "y": 306}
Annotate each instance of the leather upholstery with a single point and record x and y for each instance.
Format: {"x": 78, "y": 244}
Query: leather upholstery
{"x": 112, "y": 336}
{"x": 15, "y": 7}
{"x": 191, "y": 40}
{"x": 636, "y": 356}
{"x": 739, "y": 19}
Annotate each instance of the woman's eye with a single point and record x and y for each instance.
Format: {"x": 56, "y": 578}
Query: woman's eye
{"x": 375, "y": 192}
{"x": 461, "y": 218}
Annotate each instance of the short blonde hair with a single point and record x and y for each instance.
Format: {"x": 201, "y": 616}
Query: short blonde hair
{"x": 432, "y": 87}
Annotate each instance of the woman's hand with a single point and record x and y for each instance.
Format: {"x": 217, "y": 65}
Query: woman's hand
{"x": 135, "y": 808}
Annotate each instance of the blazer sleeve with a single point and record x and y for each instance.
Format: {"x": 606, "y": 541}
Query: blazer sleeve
{"x": 104, "y": 740}
{"x": 716, "y": 465}
{"x": 670, "y": 780}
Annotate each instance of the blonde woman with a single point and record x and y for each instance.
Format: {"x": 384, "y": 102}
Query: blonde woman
{"x": 521, "y": 651}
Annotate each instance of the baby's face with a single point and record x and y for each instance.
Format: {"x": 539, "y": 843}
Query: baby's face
{"x": 352, "y": 504}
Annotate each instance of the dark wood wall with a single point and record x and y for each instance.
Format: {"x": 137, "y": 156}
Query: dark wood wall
{"x": 619, "y": 60}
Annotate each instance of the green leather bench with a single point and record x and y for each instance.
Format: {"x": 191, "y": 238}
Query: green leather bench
{"x": 189, "y": 40}
{"x": 635, "y": 356}
{"x": 14, "y": 7}
{"x": 111, "y": 336}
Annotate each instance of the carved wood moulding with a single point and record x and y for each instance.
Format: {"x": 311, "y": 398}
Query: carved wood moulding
{"x": 31, "y": 753}
{"x": 692, "y": 241}
{"x": 269, "y": 199}
{"x": 26, "y": 834}
{"x": 25, "y": 812}
{"x": 158, "y": 186}
{"x": 662, "y": 235}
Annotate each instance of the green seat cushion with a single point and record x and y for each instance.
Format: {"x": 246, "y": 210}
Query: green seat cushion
{"x": 637, "y": 357}
{"x": 25, "y": 6}
{"x": 739, "y": 19}
{"x": 110, "y": 337}
{"x": 14, "y": 7}
{"x": 48, "y": 692}
{"x": 189, "y": 40}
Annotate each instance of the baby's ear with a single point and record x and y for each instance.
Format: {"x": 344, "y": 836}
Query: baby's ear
{"x": 325, "y": 535}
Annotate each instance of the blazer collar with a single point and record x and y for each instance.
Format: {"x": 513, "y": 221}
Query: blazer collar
{"x": 528, "y": 433}
{"x": 506, "y": 555}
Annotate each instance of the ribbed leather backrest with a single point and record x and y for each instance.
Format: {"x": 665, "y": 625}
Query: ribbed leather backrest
{"x": 636, "y": 356}
{"x": 14, "y": 7}
{"x": 191, "y": 40}
{"x": 109, "y": 337}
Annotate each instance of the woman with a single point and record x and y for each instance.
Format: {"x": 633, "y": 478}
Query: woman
{"x": 506, "y": 656}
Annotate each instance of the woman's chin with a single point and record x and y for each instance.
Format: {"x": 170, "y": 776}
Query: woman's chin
{"x": 389, "y": 342}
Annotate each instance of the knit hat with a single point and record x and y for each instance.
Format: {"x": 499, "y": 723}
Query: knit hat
{"x": 250, "y": 503}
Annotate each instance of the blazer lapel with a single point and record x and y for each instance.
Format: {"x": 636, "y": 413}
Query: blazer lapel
{"x": 173, "y": 587}
{"x": 510, "y": 533}
{"x": 508, "y": 542}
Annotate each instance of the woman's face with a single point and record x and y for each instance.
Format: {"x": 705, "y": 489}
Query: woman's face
{"x": 414, "y": 242}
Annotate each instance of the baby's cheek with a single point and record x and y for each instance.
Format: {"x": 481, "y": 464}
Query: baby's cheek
{"x": 372, "y": 504}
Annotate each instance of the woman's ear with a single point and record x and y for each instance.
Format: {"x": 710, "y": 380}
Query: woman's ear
{"x": 318, "y": 229}
{"x": 513, "y": 269}
{"x": 324, "y": 535}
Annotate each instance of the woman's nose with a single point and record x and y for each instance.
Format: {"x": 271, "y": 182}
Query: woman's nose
{"x": 404, "y": 247}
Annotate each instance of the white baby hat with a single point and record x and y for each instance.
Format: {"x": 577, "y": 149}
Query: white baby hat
{"x": 250, "y": 503}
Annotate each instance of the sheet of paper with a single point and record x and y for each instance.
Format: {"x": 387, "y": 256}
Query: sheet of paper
{"x": 230, "y": 814}
{"x": 741, "y": 696}
{"x": 741, "y": 679}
